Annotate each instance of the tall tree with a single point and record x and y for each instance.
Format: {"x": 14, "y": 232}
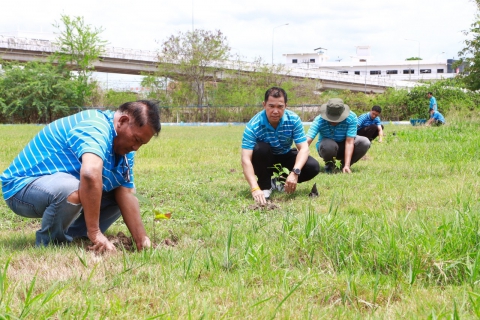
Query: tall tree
{"x": 470, "y": 55}
{"x": 36, "y": 92}
{"x": 79, "y": 45}
{"x": 192, "y": 57}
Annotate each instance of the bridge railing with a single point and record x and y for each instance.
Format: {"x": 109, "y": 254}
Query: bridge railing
{"x": 40, "y": 45}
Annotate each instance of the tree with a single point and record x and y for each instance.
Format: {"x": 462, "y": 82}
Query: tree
{"x": 36, "y": 91}
{"x": 79, "y": 46}
{"x": 192, "y": 58}
{"x": 470, "y": 55}
{"x": 246, "y": 83}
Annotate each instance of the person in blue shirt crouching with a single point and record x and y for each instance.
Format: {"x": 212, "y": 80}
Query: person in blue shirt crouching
{"x": 267, "y": 140}
{"x": 436, "y": 118}
{"x": 336, "y": 127}
{"x": 369, "y": 124}
{"x": 76, "y": 175}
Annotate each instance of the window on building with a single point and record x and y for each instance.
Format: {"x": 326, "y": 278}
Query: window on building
{"x": 294, "y": 60}
{"x": 439, "y": 70}
{"x": 425, "y": 70}
{"x": 392, "y": 71}
{"x": 312, "y": 60}
{"x": 375, "y": 72}
{"x": 408, "y": 71}
{"x": 357, "y": 72}
{"x": 343, "y": 71}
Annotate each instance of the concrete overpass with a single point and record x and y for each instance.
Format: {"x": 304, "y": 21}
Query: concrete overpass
{"x": 136, "y": 62}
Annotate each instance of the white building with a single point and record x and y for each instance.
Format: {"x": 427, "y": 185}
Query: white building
{"x": 364, "y": 64}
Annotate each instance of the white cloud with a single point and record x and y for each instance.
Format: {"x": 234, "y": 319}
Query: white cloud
{"x": 248, "y": 25}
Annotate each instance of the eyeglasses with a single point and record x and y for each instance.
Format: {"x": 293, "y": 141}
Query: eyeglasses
{"x": 126, "y": 169}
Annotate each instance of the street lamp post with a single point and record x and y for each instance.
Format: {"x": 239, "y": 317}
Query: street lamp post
{"x": 418, "y": 61}
{"x": 273, "y": 35}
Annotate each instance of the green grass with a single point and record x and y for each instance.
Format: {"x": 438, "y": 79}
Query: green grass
{"x": 397, "y": 238}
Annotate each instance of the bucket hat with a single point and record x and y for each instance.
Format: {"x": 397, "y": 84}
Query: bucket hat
{"x": 334, "y": 110}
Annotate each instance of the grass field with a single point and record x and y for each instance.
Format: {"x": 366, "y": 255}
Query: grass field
{"x": 398, "y": 238}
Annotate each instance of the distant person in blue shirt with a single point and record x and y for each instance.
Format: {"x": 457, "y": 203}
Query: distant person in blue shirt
{"x": 77, "y": 175}
{"x": 267, "y": 140}
{"x": 436, "y": 118}
{"x": 369, "y": 124}
{"x": 433, "y": 102}
{"x": 336, "y": 127}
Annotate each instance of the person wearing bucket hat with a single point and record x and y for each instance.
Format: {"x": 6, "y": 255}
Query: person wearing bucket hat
{"x": 336, "y": 127}
{"x": 267, "y": 141}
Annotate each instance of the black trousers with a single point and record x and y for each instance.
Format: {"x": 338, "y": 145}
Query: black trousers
{"x": 371, "y": 132}
{"x": 263, "y": 160}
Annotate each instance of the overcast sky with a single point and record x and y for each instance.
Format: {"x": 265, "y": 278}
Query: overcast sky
{"x": 250, "y": 25}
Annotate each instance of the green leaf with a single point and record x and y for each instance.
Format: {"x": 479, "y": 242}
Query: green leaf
{"x": 160, "y": 215}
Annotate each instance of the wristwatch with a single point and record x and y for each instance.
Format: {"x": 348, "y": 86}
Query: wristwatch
{"x": 297, "y": 171}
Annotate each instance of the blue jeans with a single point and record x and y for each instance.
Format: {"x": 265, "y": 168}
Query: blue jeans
{"x": 46, "y": 198}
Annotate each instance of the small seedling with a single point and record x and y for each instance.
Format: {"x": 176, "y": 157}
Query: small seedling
{"x": 158, "y": 214}
{"x": 336, "y": 163}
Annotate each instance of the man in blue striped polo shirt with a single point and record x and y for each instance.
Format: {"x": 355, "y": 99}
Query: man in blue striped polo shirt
{"x": 267, "y": 140}
{"x": 369, "y": 124}
{"x": 336, "y": 127}
{"x": 76, "y": 175}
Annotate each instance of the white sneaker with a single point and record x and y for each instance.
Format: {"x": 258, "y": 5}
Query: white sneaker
{"x": 267, "y": 193}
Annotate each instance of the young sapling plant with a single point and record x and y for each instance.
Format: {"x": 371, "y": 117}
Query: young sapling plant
{"x": 158, "y": 214}
{"x": 337, "y": 164}
{"x": 280, "y": 173}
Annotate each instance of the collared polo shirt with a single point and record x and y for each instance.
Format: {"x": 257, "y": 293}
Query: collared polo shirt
{"x": 433, "y": 104}
{"x": 338, "y": 133}
{"x": 366, "y": 120}
{"x": 289, "y": 130}
{"x": 59, "y": 148}
{"x": 438, "y": 116}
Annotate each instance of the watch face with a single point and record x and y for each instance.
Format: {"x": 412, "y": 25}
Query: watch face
{"x": 297, "y": 171}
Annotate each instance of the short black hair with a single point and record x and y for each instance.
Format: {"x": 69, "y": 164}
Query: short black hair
{"x": 430, "y": 93}
{"x": 275, "y": 92}
{"x": 377, "y": 108}
{"x": 143, "y": 112}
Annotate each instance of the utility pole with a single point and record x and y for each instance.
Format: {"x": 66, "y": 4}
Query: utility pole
{"x": 273, "y": 35}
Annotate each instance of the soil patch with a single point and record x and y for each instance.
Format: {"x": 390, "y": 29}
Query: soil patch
{"x": 120, "y": 240}
{"x": 170, "y": 242}
{"x": 268, "y": 206}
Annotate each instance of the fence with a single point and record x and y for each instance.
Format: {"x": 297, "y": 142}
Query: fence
{"x": 187, "y": 114}
{"x": 227, "y": 113}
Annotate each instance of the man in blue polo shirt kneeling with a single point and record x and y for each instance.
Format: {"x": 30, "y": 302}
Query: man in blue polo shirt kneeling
{"x": 369, "y": 124}
{"x": 436, "y": 118}
{"x": 76, "y": 175}
{"x": 267, "y": 140}
{"x": 336, "y": 127}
